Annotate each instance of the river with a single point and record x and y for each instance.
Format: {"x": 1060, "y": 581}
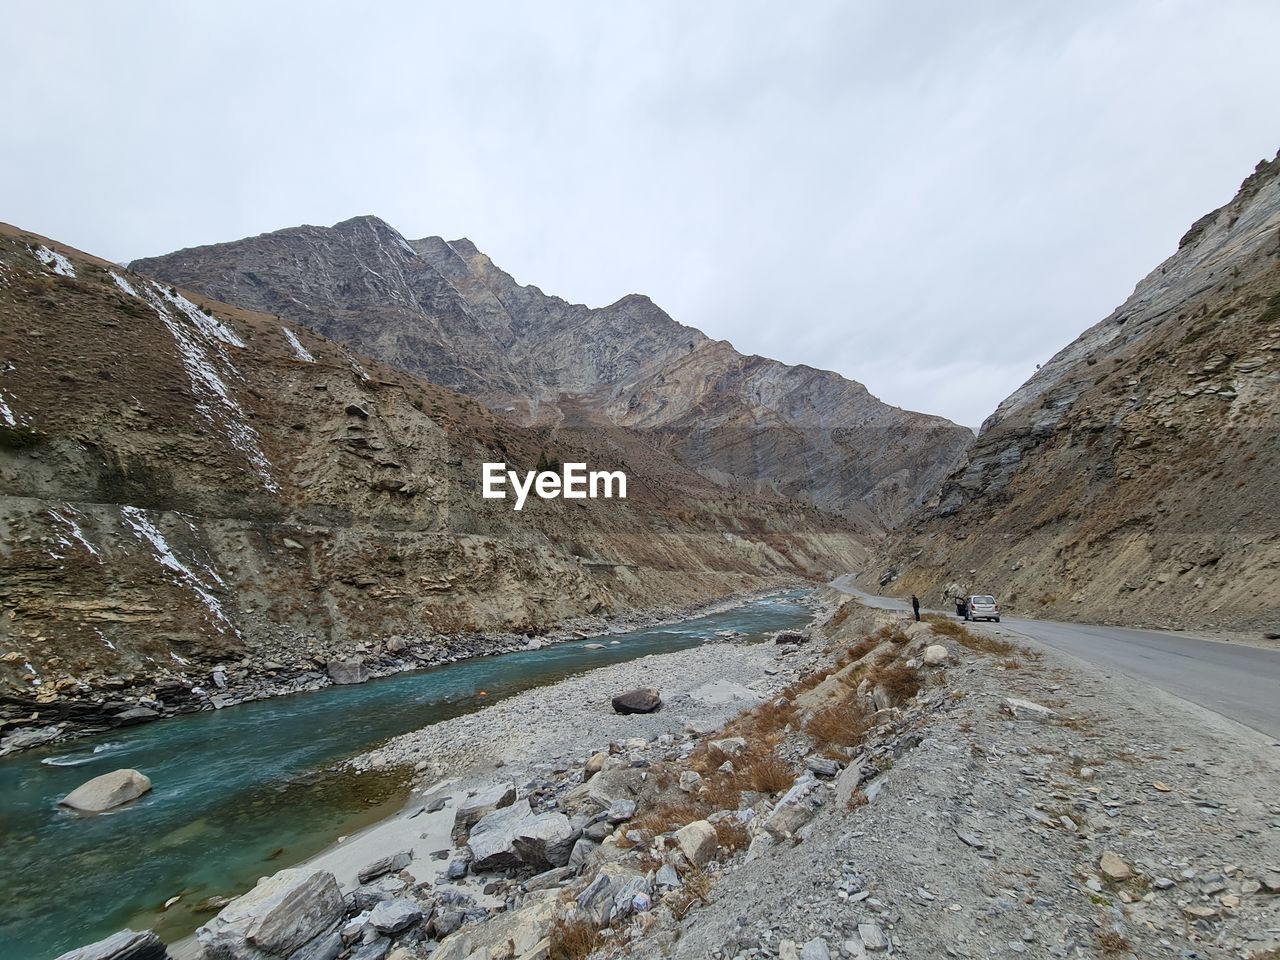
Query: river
{"x": 243, "y": 792}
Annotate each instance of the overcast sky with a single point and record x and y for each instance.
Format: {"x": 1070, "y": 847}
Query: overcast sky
{"x": 930, "y": 198}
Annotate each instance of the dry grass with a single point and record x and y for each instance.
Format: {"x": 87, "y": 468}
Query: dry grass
{"x": 732, "y": 834}
{"x": 966, "y": 637}
{"x": 573, "y": 939}
{"x": 857, "y": 651}
{"x": 696, "y": 889}
{"x": 898, "y": 680}
{"x": 768, "y": 774}
{"x": 893, "y": 632}
{"x": 840, "y": 725}
{"x": 669, "y": 816}
{"x": 1112, "y": 943}
{"x": 841, "y": 615}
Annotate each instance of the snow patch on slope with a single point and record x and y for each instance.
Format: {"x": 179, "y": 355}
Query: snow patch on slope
{"x": 55, "y": 261}
{"x": 68, "y": 520}
{"x": 148, "y": 533}
{"x": 202, "y": 340}
{"x": 301, "y": 352}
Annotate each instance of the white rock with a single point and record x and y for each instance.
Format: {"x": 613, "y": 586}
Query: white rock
{"x": 107, "y": 791}
{"x": 698, "y": 842}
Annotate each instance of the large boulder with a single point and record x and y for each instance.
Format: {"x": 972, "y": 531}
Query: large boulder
{"x": 294, "y": 913}
{"x": 642, "y": 700}
{"x": 471, "y": 810}
{"x": 606, "y": 788}
{"x": 546, "y": 840}
{"x": 125, "y": 945}
{"x": 347, "y": 671}
{"x": 493, "y": 839}
{"x": 515, "y": 835}
{"x": 107, "y": 791}
{"x": 698, "y": 842}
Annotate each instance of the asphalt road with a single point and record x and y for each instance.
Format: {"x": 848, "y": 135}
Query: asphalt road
{"x": 1237, "y": 681}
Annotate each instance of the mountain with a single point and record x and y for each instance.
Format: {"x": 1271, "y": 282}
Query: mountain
{"x": 185, "y": 484}
{"x": 1134, "y": 478}
{"x": 443, "y": 309}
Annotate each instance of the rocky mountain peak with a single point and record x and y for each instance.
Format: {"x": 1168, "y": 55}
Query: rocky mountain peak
{"x": 445, "y": 310}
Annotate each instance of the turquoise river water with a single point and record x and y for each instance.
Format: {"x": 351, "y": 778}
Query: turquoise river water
{"x": 242, "y": 792}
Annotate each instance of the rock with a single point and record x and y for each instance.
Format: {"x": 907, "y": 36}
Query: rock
{"x": 375, "y": 949}
{"x": 445, "y": 921}
{"x": 936, "y": 654}
{"x": 815, "y": 950}
{"x": 698, "y": 842}
{"x": 1021, "y": 709}
{"x": 667, "y": 877}
{"x": 1200, "y": 912}
{"x": 294, "y": 913}
{"x": 847, "y": 783}
{"x": 107, "y": 791}
{"x": 729, "y": 745}
{"x": 822, "y": 766}
{"x": 873, "y": 938}
{"x": 582, "y": 849}
{"x": 514, "y": 934}
{"x": 457, "y": 869}
{"x": 392, "y": 916}
{"x": 125, "y": 945}
{"x": 136, "y": 715}
{"x": 1114, "y": 868}
{"x": 391, "y": 864}
{"x": 347, "y": 671}
{"x": 549, "y": 878}
{"x": 471, "y": 810}
{"x": 642, "y": 700}
{"x": 1270, "y": 881}
{"x": 546, "y": 840}
{"x": 620, "y": 811}
{"x": 595, "y": 763}
{"x": 514, "y": 835}
{"x": 787, "y": 950}
{"x": 396, "y": 645}
{"x": 593, "y": 646}
{"x": 27, "y": 737}
{"x": 492, "y": 839}
{"x": 690, "y": 781}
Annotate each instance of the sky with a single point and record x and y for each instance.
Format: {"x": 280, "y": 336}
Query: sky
{"x": 928, "y": 197}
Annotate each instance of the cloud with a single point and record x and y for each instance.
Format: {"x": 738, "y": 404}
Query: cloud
{"x": 930, "y": 198}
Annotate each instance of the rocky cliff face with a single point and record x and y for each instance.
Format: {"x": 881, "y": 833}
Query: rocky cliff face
{"x": 1134, "y": 477}
{"x": 185, "y": 484}
{"x": 444, "y": 310}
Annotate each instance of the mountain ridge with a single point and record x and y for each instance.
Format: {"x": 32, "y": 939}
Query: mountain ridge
{"x": 1132, "y": 477}
{"x": 444, "y": 309}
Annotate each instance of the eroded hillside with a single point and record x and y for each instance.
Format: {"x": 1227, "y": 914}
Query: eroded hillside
{"x": 1134, "y": 477}
{"x": 442, "y": 308}
{"x": 184, "y": 484}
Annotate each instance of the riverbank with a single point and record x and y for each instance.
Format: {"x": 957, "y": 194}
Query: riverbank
{"x": 74, "y": 714}
{"x": 914, "y": 789}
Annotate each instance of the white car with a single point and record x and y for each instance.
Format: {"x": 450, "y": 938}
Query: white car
{"x": 983, "y": 607}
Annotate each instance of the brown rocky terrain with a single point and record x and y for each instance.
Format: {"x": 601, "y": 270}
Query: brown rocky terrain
{"x": 443, "y": 309}
{"x": 1134, "y": 478}
{"x": 185, "y": 485}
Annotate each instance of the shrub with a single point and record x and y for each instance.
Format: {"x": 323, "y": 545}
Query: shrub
{"x": 899, "y": 681}
{"x": 732, "y": 834}
{"x": 573, "y": 939}
{"x": 766, "y": 774}
{"x": 840, "y": 725}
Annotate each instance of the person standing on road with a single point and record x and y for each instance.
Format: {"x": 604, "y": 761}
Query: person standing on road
{"x": 915, "y": 606}
{"x": 962, "y": 608}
